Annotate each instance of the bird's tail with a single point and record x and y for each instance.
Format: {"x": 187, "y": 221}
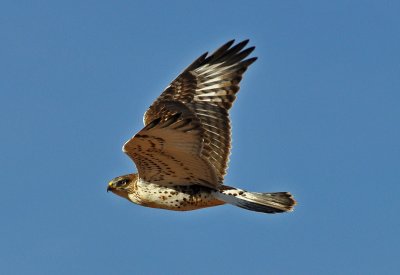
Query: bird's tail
{"x": 260, "y": 202}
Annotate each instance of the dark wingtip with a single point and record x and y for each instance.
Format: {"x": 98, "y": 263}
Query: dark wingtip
{"x": 244, "y": 42}
{"x": 203, "y": 56}
{"x": 252, "y": 59}
{"x": 229, "y": 43}
{"x": 250, "y": 49}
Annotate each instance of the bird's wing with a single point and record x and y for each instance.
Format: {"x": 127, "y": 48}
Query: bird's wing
{"x": 208, "y": 88}
{"x": 167, "y": 151}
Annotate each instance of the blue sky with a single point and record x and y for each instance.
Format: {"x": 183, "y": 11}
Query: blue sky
{"x": 318, "y": 115}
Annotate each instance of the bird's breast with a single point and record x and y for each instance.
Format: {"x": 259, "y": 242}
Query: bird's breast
{"x": 179, "y": 197}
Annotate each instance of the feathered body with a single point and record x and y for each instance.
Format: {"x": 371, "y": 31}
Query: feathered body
{"x": 182, "y": 152}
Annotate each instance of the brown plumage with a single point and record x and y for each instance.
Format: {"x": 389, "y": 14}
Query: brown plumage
{"x": 184, "y": 148}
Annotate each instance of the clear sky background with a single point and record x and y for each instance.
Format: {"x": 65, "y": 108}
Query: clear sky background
{"x": 318, "y": 115}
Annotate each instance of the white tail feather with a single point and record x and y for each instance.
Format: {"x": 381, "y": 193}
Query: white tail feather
{"x": 260, "y": 202}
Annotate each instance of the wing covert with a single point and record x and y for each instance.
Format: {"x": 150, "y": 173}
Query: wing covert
{"x": 167, "y": 150}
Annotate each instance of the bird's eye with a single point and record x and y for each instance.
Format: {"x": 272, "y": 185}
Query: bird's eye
{"x": 122, "y": 182}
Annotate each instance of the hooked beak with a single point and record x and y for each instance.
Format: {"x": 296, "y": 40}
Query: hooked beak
{"x": 110, "y": 187}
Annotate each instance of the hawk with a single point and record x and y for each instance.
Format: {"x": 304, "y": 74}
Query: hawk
{"x": 182, "y": 152}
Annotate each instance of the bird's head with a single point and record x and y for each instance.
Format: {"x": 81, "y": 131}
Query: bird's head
{"x": 123, "y": 185}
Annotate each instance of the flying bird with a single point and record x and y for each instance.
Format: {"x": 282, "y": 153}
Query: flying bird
{"x": 182, "y": 152}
